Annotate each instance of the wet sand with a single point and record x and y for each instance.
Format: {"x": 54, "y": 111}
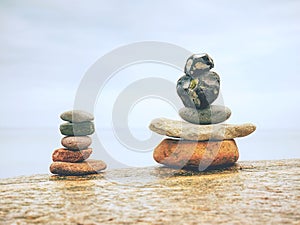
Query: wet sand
{"x": 260, "y": 192}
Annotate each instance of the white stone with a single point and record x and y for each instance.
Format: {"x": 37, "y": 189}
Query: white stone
{"x": 188, "y": 131}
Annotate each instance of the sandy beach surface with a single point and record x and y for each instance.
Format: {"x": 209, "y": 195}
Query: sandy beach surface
{"x": 251, "y": 192}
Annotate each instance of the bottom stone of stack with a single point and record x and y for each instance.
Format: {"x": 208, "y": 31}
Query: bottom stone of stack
{"x": 65, "y": 155}
{"x": 202, "y": 154}
{"x": 76, "y": 169}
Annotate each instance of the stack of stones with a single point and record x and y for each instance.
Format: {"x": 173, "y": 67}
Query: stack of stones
{"x": 72, "y": 159}
{"x": 201, "y": 141}
{"x": 198, "y": 89}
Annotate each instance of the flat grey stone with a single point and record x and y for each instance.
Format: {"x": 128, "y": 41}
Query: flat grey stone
{"x": 211, "y": 115}
{"x": 77, "y": 129}
{"x": 188, "y": 131}
{"x": 76, "y": 116}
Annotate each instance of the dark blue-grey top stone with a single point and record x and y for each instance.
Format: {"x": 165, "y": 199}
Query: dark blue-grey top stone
{"x": 199, "y": 92}
{"x": 197, "y": 64}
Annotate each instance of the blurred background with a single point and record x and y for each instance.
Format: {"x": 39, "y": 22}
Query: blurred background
{"x": 47, "y": 46}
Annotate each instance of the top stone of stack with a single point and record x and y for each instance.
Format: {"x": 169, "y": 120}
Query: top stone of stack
{"x": 199, "y": 87}
{"x": 197, "y": 64}
{"x": 76, "y": 116}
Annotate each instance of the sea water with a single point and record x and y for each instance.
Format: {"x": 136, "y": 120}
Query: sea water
{"x": 27, "y": 151}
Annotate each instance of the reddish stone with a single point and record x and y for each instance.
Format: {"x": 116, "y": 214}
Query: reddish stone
{"x": 65, "y": 155}
{"x": 77, "y": 169}
{"x": 203, "y": 154}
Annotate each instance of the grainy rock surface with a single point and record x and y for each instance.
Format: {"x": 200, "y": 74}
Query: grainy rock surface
{"x": 76, "y": 142}
{"x": 204, "y": 154}
{"x": 263, "y": 192}
{"x": 82, "y": 168}
{"x": 198, "y": 92}
{"x": 181, "y": 129}
{"x": 197, "y": 64}
{"x": 77, "y": 129}
{"x": 211, "y": 115}
{"x": 76, "y": 116}
{"x": 65, "y": 155}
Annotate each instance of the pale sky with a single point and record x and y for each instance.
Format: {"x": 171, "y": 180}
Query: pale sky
{"x": 47, "y": 46}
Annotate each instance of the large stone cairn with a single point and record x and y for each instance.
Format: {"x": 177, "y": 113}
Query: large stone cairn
{"x": 72, "y": 159}
{"x": 201, "y": 141}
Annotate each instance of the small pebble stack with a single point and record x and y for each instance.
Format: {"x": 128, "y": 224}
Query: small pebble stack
{"x": 72, "y": 159}
{"x": 203, "y": 141}
{"x": 198, "y": 89}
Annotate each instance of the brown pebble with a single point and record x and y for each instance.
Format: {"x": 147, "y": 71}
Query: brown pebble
{"x": 77, "y": 169}
{"x": 65, "y": 155}
{"x": 204, "y": 154}
{"x": 76, "y": 142}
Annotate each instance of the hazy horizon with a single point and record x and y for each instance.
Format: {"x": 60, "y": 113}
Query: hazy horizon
{"x": 46, "y": 48}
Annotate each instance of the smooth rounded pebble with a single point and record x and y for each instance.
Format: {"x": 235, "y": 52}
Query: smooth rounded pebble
{"x": 77, "y": 169}
{"x": 65, "y": 155}
{"x": 211, "y": 115}
{"x": 77, "y": 129}
{"x": 188, "y": 131}
{"x": 76, "y": 116}
{"x": 204, "y": 154}
{"x": 76, "y": 142}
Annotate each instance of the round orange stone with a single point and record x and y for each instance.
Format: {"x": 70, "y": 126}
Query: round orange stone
{"x": 202, "y": 154}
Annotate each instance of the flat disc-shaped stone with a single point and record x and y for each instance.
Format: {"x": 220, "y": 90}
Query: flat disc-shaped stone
{"x": 77, "y": 169}
{"x": 211, "y": 115}
{"x": 204, "y": 154}
{"x": 76, "y": 116}
{"x": 188, "y": 131}
{"x": 76, "y": 142}
{"x": 65, "y": 155}
{"x": 199, "y": 92}
{"x": 197, "y": 64}
{"x": 77, "y": 129}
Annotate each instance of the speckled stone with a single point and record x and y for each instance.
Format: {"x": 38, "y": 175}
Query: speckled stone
{"x": 204, "y": 154}
{"x": 77, "y": 169}
{"x": 76, "y": 142}
{"x": 188, "y": 131}
{"x": 198, "y": 92}
{"x": 76, "y": 116}
{"x": 197, "y": 64}
{"x": 211, "y": 115}
{"x": 65, "y": 155}
{"x": 77, "y": 129}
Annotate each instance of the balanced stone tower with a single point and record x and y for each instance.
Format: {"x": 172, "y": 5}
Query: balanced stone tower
{"x": 202, "y": 141}
{"x": 71, "y": 160}
{"x": 198, "y": 89}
